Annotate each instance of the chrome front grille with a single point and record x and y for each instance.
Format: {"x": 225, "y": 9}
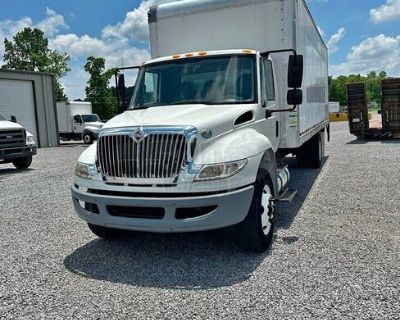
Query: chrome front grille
{"x": 157, "y": 156}
{"x": 12, "y": 138}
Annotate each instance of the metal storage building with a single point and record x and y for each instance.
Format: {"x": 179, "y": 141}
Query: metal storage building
{"x": 30, "y": 96}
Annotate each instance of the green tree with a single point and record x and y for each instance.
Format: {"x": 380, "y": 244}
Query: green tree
{"x": 29, "y": 51}
{"x": 97, "y": 90}
{"x": 338, "y": 87}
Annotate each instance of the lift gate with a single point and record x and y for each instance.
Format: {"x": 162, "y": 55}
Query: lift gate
{"x": 391, "y": 106}
{"x": 358, "y": 109}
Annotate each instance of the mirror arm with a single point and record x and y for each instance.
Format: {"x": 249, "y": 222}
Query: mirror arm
{"x": 117, "y": 70}
{"x": 285, "y": 110}
{"x": 267, "y": 53}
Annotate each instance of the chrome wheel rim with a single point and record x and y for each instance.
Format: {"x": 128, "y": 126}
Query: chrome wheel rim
{"x": 267, "y": 205}
{"x": 86, "y": 138}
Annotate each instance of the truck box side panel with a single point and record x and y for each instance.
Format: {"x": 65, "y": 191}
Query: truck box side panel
{"x": 315, "y": 107}
{"x": 195, "y": 26}
{"x": 80, "y": 108}
{"x": 63, "y": 117}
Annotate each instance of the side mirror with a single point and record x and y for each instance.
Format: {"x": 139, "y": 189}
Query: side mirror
{"x": 295, "y": 71}
{"x": 121, "y": 91}
{"x": 294, "y": 97}
{"x": 14, "y": 119}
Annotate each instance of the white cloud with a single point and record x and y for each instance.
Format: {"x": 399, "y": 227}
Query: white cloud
{"x": 53, "y": 23}
{"x": 115, "y": 51}
{"x": 50, "y": 25}
{"x": 386, "y": 12}
{"x": 135, "y": 25}
{"x": 335, "y": 39}
{"x": 376, "y": 53}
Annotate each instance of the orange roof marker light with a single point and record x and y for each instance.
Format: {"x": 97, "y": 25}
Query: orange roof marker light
{"x": 176, "y": 56}
{"x": 247, "y": 51}
{"x": 189, "y": 55}
{"x": 202, "y": 53}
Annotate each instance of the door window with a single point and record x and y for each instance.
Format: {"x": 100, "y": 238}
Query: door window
{"x": 267, "y": 81}
{"x": 77, "y": 119}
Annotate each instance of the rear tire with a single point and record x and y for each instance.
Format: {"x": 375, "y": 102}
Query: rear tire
{"x": 104, "y": 233}
{"x": 310, "y": 154}
{"x": 256, "y": 231}
{"x": 88, "y": 138}
{"x": 22, "y": 163}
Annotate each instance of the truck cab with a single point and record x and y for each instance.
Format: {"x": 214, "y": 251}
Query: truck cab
{"x": 87, "y": 126}
{"x": 200, "y": 146}
{"x": 17, "y": 146}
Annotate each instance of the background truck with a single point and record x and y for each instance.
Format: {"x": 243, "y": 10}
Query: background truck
{"x": 232, "y": 88}
{"x": 76, "y": 121}
{"x": 384, "y": 126}
{"x": 17, "y": 146}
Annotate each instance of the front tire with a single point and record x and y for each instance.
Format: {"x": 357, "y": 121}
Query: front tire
{"x": 88, "y": 138}
{"x": 22, "y": 163}
{"x": 256, "y": 231}
{"x": 103, "y": 232}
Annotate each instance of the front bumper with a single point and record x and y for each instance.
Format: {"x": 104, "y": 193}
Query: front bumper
{"x": 10, "y": 154}
{"x": 229, "y": 208}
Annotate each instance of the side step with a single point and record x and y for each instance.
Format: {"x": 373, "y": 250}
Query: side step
{"x": 287, "y": 195}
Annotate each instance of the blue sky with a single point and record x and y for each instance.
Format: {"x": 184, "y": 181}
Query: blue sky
{"x": 362, "y": 35}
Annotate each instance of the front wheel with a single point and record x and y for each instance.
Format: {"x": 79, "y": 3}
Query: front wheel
{"x": 22, "y": 163}
{"x": 88, "y": 138}
{"x": 256, "y": 231}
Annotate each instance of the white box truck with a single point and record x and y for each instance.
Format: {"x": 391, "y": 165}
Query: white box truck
{"x": 232, "y": 88}
{"x": 77, "y": 121}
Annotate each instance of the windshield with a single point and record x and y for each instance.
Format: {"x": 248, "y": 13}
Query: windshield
{"x": 211, "y": 80}
{"x": 90, "y": 118}
{"x": 2, "y": 119}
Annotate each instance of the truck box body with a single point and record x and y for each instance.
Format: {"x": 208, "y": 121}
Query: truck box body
{"x": 262, "y": 25}
{"x": 66, "y": 111}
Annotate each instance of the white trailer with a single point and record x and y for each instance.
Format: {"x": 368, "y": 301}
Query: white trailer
{"x": 77, "y": 121}
{"x": 334, "y": 107}
{"x": 232, "y": 88}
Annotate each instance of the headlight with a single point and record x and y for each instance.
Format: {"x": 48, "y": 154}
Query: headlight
{"x": 220, "y": 170}
{"x": 84, "y": 170}
{"x": 30, "y": 140}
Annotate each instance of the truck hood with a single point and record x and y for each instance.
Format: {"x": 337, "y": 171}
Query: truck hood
{"x": 6, "y": 125}
{"x": 218, "y": 118}
{"x": 96, "y": 124}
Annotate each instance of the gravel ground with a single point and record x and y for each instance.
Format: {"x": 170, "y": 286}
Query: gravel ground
{"x": 336, "y": 252}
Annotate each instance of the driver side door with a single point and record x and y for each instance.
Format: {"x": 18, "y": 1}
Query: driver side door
{"x": 78, "y": 124}
{"x": 268, "y": 102}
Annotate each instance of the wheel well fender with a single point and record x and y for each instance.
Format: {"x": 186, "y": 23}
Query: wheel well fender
{"x": 268, "y": 163}
{"x": 234, "y": 146}
{"x": 90, "y": 130}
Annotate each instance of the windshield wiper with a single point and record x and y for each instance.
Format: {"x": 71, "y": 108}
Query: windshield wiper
{"x": 140, "y": 108}
{"x": 191, "y": 102}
